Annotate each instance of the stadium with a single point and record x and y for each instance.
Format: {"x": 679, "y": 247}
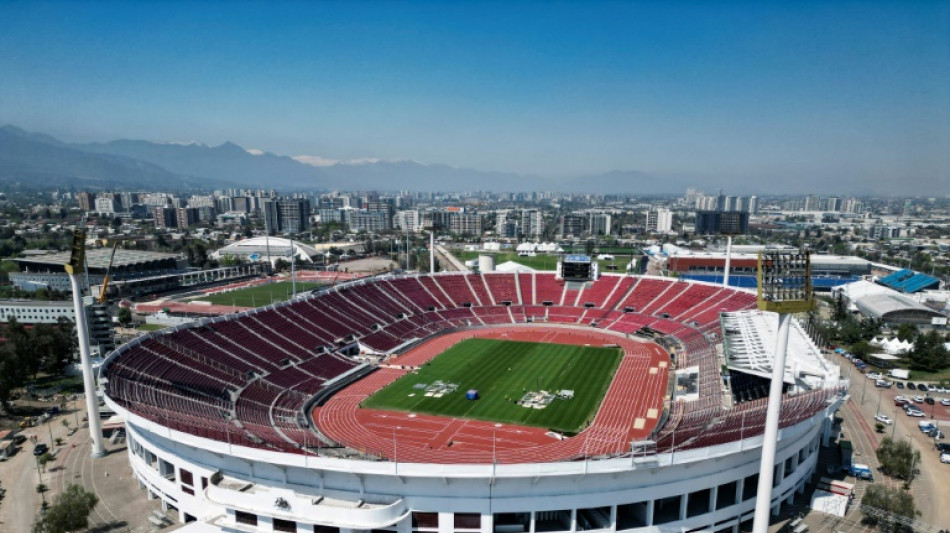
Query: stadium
{"x": 492, "y": 402}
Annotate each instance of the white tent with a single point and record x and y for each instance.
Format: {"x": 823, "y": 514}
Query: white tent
{"x": 893, "y": 346}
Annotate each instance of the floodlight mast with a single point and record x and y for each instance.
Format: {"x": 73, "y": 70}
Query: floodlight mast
{"x": 784, "y": 287}
{"x": 75, "y": 268}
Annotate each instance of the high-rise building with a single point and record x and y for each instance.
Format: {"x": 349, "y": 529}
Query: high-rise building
{"x": 812, "y": 202}
{"x": 573, "y": 225}
{"x": 186, "y": 216}
{"x": 532, "y": 224}
{"x": 465, "y": 223}
{"x": 287, "y": 215}
{"x": 716, "y": 222}
{"x": 599, "y": 224}
{"x": 165, "y": 217}
{"x": 370, "y": 221}
{"x": 105, "y": 205}
{"x": 408, "y": 220}
{"x": 753, "y": 207}
{"x": 86, "y": 201}
{"x": 659, "y": 220}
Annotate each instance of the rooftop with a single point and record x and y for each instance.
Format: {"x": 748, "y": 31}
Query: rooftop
{"x": 98, "y": 258}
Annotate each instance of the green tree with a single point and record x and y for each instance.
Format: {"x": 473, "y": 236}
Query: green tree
{"x": 124, "y": 315}
{"x": 45, "y": 459}
{"x": 69, "y": 511}
{"x": 907, "y": 332}
{"x": 889, "y": 503}
{"x": 929, "y": 354}
{"x": 861, "y": 349}
{"x": 899, "y": 459}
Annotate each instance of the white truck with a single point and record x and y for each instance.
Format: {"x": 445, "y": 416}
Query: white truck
{"x": 899, "y": 373}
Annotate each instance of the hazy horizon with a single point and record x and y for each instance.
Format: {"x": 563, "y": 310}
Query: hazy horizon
{"x": 796, "y": 95}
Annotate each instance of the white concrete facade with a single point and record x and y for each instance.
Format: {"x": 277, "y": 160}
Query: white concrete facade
{"x": 707, "y": 489}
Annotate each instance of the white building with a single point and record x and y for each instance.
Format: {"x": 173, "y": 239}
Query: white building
{"x": 659, "y": 221}
{"x": 408, "y": 220}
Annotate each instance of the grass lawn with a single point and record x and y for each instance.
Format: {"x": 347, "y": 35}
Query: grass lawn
{"x": 542, "y": 261}
{"x": 150, "y": 327}
{"x": 501, "y": 372}
{"x": 260, "y": 295}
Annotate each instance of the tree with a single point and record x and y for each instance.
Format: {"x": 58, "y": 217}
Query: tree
{"x": 907, "y": 332}
{"x": 124, "y": 315}
{"x": 899, "y": 459}
{"x": 929, "y": 353}
{"x": 890, "y": 503}
{"x": 69, "y": 511}
{"x": 44, "y": 459}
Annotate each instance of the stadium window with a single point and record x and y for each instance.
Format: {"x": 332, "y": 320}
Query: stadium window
{"x": 248, "y": 519}
{"x": 186, "y": 478}
{"x": 425, "y": 520}
{"x": 468, "y": 521}
{"x": 188, "y": 490}
{"x": 285, "y": 526}
{"x": 317, "y": 528}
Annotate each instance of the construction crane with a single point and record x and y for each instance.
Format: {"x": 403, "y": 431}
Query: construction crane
{"x": 105, "y": 280}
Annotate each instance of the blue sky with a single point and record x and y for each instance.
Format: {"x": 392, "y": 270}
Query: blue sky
{"x": 717, "y": 92}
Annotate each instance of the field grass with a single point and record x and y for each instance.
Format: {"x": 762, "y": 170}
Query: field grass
{"x": 542, "y": 261}
{"x": 501, "y": 372}
{"x": 260, "y": 295}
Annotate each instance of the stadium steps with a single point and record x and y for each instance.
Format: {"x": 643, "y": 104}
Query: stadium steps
{"x": 661, "y": 297}
{"x": 626, "y": 294}
{"x": 518, "y": 289}
{"x": 478, "y": 298}
{"x": 491, "y": 296}
{"x": 580, "y": 294}
{"x": 441, "y": 290}
{"x": 700, "y": 305}
{"x": 326, "y": 334}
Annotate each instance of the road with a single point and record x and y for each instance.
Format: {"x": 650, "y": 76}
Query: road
{"x": 122, "y": 507}
{"x": 931, "y": 489}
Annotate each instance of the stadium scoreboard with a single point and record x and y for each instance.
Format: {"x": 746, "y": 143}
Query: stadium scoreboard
{"x": 576, "y": 267}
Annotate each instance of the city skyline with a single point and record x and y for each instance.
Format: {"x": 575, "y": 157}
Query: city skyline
{"x": 794, "y": 95}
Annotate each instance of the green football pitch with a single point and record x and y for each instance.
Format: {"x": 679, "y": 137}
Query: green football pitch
{"x": 260, "y": 295}
{"x": 503, "y": 372}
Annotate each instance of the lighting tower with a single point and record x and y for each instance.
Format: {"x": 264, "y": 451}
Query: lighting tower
{"x": 784, "y": 288}
{"x": 75, "y": 268}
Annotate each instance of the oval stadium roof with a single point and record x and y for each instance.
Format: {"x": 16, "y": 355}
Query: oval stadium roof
{"x": 891, "y": 307}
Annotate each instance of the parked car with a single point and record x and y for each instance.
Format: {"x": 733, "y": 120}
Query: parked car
{"x": 929, "y": 400}
{"x": 874, "y": 375}
{"x": 915, "y": 413}
{"x": 911, "y": 386}
{"x": 945, "y": 457}
{"x": 932, "y": 388}
{"x": 883, "y": 383}
{"x": 900, "y": 385}
{"x": 884, "y": 419}
{"x": 943, "y": 447}
{"x": 945, "y": 402}
{"x": 919, "y": 399}
{"x": 40, "y": 449}
{"x": 900, "y": 400}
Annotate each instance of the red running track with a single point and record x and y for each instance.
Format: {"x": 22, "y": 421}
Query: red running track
{"x": 629, "y": 411}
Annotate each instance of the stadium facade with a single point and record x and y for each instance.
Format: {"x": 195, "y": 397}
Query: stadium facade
{"x": 236, "y": 423}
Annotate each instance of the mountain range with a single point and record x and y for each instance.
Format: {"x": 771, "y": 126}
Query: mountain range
{"x": 38, "y": 161}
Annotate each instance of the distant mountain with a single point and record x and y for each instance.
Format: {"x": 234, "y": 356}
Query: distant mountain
{"x": 38, "y": 160}
{"x": 34, "y": 161}
{"x": 234, "y": 164}
{"x": 624, "y": 182}
{"x": 228, "y": 163}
